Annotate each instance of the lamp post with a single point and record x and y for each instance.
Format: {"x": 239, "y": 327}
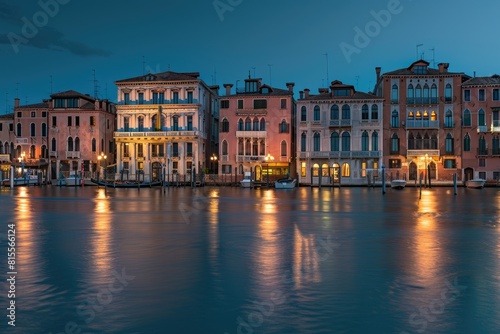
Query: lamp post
{"x": 268, "y": 158}
{"x": 21, "y": 161}
{"x": 102, "y": 156}
{"x": 213, "y": 160}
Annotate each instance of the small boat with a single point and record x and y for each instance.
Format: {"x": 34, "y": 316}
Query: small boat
{"x": 247, "y": 180}
{"x": 126, "y": 184}
{"x": 31, "y": 178}
{"x": 475, "y": 183}
{"x": 76, "y": 181}
{"x": 398, "y": 184}
{"x": 285, "y": 183}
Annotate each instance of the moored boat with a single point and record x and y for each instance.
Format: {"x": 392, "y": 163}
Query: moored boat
{"x": 285, "y": 183}
{"x": 126, "y": 184}
{"x": 475, "y": 183}
{"x": 398, "y": 184}
{"x": 247, "y": 180}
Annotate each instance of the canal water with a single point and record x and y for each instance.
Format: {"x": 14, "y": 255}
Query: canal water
{"x": 231, "y": 260}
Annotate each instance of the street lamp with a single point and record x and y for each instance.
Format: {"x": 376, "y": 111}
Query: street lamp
{"x": 102, "y": 157}
{"x": 268, "y": 158}
{"x": 213, "y": 159}
{"x": 21, "y": 161}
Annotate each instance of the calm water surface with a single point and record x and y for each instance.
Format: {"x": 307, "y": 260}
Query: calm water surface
{"x": 231, "y": 260}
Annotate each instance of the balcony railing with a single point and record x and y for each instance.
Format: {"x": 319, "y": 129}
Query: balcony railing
{"x": 72, "y": 154}
{"x": 482, "y": 128}
{"x": 422, "y": 100}
{"x": 247, "y": 158}
{"x": 158, "y": 134}
{"x": 421, "y": 124}
{"x": 339, "y": 154}
{"x": 420, "y": 153}
{"x": 340, "y": 123}
{"x": 482, "y": 151}
{"x": 495, "y": 126}
{"x": 251, "y": 134}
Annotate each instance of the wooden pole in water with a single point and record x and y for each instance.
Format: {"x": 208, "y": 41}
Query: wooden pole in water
{"x": 11, "y": 177}
{"x": 429, "y": 174}
{"x": 311, "y": 176}
{"x": 320, "y": 176}
{"x": 455, "y": 183}
{"x": 383, "y": 180}
{"x": 420, "y": 186}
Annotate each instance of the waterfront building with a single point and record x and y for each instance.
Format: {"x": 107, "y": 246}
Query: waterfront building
{"x": 257, "y": 130}
{"x": 81, "y": 131}
{"x": 7, "y": 139}
{"x": 168, "y": 120}
{"x": 422, "y": 121}
{"x": 480, "y": 138}
{"x": 339, "y": 136}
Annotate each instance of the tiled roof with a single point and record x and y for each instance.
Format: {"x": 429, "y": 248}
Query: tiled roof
{"x": 88, "y": 105}
{"x": 71, "y": 93}
{"x": 494, "y": 80}
{"x": 7, "y": 116}
{"x": 163, "y": 76}
{"x": 41, "y": 105}
{"x": 430, "y": 71}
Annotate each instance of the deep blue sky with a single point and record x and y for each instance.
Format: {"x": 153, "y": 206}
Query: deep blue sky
{"x": 293, "y": 36}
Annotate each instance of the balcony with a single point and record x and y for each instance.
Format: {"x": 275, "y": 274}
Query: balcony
{"x": 422, "y": 100}
{"x": 340, "y": 123}
{"x": 251, "y": 134}
{"x": 421, "y": 124}
{"x": 72, "y": 154}
{"x": 421, "y": 153}
{"x": 156, "y": 134}
{"x": 495, "y": 126}
{"x": 482, "y": 128}
{"x": 21, "y": 141}
{"x": 250, "y": 158}
{"x": 482, "y": 151}
{"x": 340, "y": 154}
{"x": 53, "y": 154}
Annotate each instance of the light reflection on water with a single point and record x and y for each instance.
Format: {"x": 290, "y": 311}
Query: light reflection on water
{"x": 216, "y": 260}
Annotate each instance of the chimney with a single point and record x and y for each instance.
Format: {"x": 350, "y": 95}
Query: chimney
{"x": 443, "y": 67}
{"x": 16, "y": 102}
{"x": 323, "y": 90}
{"x": 290, "y": 86}
{"x": 377, "y": 70}
{"x": 215, "y": 89}
{"x": 301, "y": 93}
{"x": 228, "y": 88}
{"x": 306, "y": 92}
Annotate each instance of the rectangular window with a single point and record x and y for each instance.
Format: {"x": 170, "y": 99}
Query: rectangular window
{"x": 190, "y": 123}
{"x": 227, "y": 169}
{"x": 33, "y": 114}
{"x": 482, "y": 162}
{"x": 44, "y": 114}
{"x": 260, "y": 104}
{"x": 189, "y": 149}
{"x": 19, "y": 114}
{"x": 141, "y": 98}
{"x": 175, "y": 166}
{"x": 496, "y": 176}
{"x": 77, "y": 120}
{"x": 125, "y": 165}
{"x": 59, "y": 103}
{"x": 481, "y": 95}
{"x": 70, "y": 119}
{"x": 224, "y": 104}
{"x": 92, "y": 120}
{"x": 140, "y": 153}
{"x": 395, "y": 163}
{"x": 1, "y": 126}
{"x": 155, "y": 97}
{"x": 283, "y": 103}
{"x": 467, "y": 95}
{"x": 126, "y": 98}
{"x": 54, "y": 121}
{"x": 240, "y": 104}
{"x": 175, "y": 97}
{"x": 303, "y": 169}
{"x": 126, "y": 124}
{"x": 450, "y": 163}
{"x": 190, "y": 97}
{"x": 482, "y": 175}
{"x": 11, "y": 127}
{"x": 495, "y": 95}
{"x": 161, "y": 98}
{"x": 175, "y": 149}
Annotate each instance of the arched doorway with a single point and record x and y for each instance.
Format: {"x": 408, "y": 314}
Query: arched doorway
{"x": 156, "y": 172}
{"x": 413, "y": 171}
{"x": 335, "y": 172}
{"x": 468, "y": 174}
{"x": 258, "y": 173}
{"x": 433, "y": 170}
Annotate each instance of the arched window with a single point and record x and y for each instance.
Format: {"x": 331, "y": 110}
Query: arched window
{"x": 225, "y": 125}
{"x": 334, "y": 141}
{"x": 346, "y": 112}
{"x": 418, "y": 115}
{"x": 394, "y": 94}
{"x": 53, "y": 146}
{"x": 447, "y": 93}
{"x": 255, "y": 147}
{"x": 346, "y": 141}
{"x": 248, "y": 147}
{"x": 140, "y": 123}
{"x": 346, "y": 170}
{"x": 240, "y": 125}
{"x": 467, "y": 119}
{"x": 77, "y": 144}
{"x": 248, "y": 124}
{"x": 448, "y": 119}
{"x": 317, "y": 115}
{"x": 364, "y": 112}
{"x": 240, "y": 147}
{"x": 224, "y": 147}
{"x": 411, "y": 94}
{"x": 434, "y": 94}
{"x": 94, "y": 145}
{"x": 262, "y": 124}
{"x": 317, "y": 142}
{"x": 303, "y": 114}
{"x": 495, "y": 147}
{"x": 411, "y": 141}
{"x": 418, "y": 142}
{"x": 19, "y": 129}
{"x": 32, "y": 151}
{"x": 157, "y": 122}
{"x": 283, "y": 126}
{"x": 426, "y": 94}
{"x": 394, "y": 144}
{"x": 262, "y": 147}
{"x": 334, "y": 112}
{"x": 70, "y": 144}
{"x": 395, "y": 119}
{"x": 44, "y": 129}
{"x": 365, "y": 141}
{"x": 315, "y": 169}
{"x": 426, "y": 115}
{"x": 375, "y": 141}
{"x": 32, "y": 130}
{"x": 427, "y": 142}
{"x": 44, "y": 152}
{"x": 467, "y": 142}
{"x": 449, "y": 144}
{"x": 433, "y": 116}
{"x": 482, "y": 145}
{"x": 303, "y": 141}
{"x": 283, "y": 149}
{"x": 255, "y": 124}
{"x": 481, "y": 120}
{"x": 374, "y": 112}
{"x": 418, "y": 94}
{"x": 411, "y": 115}
{"x": 434, "y": 142}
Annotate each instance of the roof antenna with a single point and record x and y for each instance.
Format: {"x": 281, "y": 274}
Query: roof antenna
{"x": 143, "y": 66}
{"x": 418, "y": 45}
